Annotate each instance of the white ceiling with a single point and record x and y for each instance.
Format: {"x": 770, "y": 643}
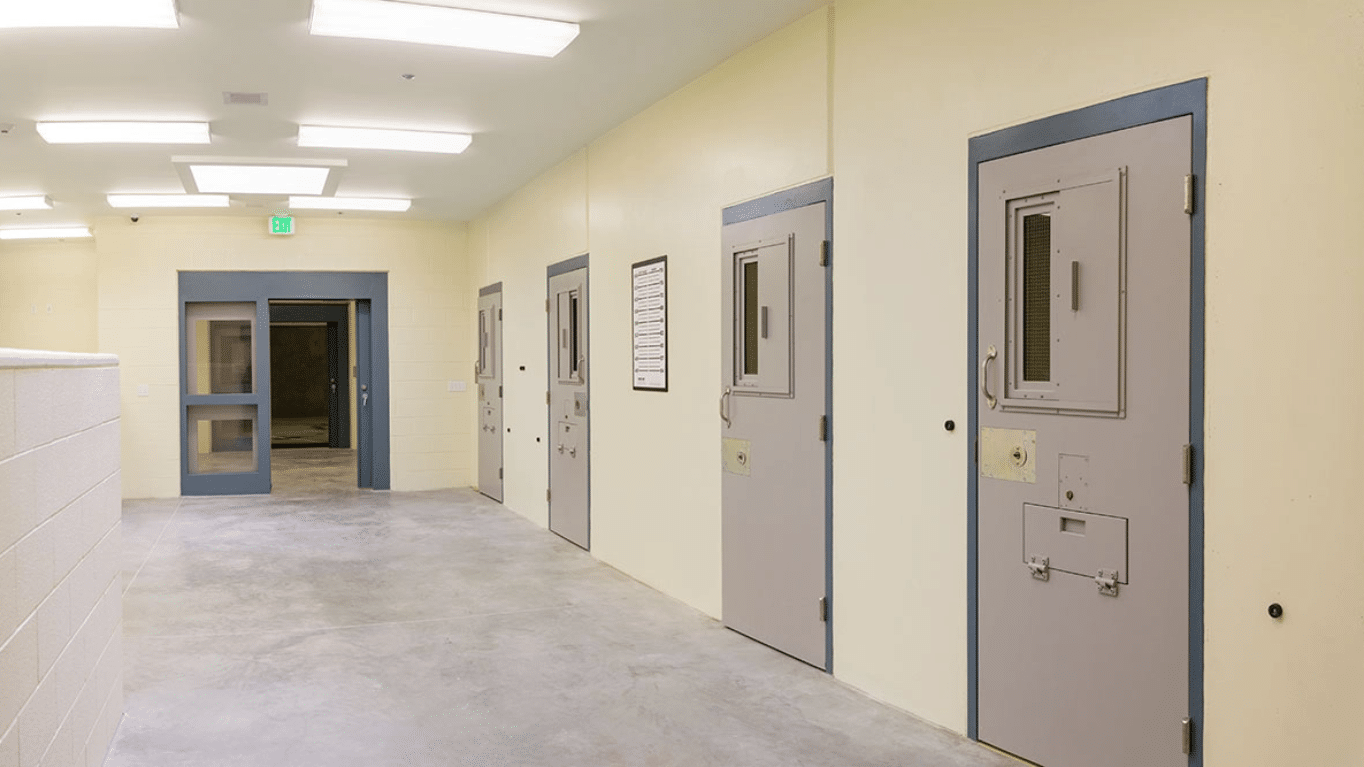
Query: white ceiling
{"x": 526, "y": 113}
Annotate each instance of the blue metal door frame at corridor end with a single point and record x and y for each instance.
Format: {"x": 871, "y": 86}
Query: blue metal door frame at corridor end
{"x": 370, "y": 292}
{"x": 1184, "y": 99}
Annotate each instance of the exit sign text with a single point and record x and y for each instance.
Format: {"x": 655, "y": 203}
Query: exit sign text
{"x": 281, "y": 225}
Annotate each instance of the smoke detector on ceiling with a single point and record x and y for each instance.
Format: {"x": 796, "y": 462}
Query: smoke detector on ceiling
{"x": 246, "y": 99}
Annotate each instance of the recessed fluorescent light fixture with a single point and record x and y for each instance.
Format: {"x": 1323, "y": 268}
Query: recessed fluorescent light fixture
{"x": 123, "y": 132}
{"x": 349, "y": 203}
{"x": 153, "y": 14}
{"x": 32, "y": 202}
{"x": 432, "y": 25}
{"x": 259, "y": 179}
{"x": 168, "y": 200}
{"x": 44, "y": 234}
{"x": 380, "y": 138}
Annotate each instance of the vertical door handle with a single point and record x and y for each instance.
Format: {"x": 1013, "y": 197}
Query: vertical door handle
{"x": 364, "y": 395}
{"x": 762, "y": 320}
{"x": 724, "y": 408}
{"x": 990, "y": 354}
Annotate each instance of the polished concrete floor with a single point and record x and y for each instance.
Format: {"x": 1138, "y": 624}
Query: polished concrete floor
{"x": 328, "y": 626}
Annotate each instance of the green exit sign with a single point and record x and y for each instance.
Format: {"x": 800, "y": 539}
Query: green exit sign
{"x": 281, "y": 225}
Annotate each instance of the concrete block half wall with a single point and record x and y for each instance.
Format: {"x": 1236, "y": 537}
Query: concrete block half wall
{"x": 61, "y": 609}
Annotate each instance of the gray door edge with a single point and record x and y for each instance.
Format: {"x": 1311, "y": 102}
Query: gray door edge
{"x": 1189, "y": 98}
{"x": 812, "y": 193}
{"x": 552, "y": 271}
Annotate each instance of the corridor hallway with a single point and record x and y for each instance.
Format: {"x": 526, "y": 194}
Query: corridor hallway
{"x": 328, "y": 626}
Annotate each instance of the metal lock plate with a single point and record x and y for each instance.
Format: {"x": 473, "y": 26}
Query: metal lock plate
{"x": 1009, "y": 454}
{"x": 1107, "y": 581}
{"x": 737, "y": 456}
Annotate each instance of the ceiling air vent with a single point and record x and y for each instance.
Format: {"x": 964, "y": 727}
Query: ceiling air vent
{"x": 246, "y": 99}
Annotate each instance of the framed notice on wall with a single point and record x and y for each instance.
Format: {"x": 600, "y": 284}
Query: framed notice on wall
{"x": 649, "y": 291}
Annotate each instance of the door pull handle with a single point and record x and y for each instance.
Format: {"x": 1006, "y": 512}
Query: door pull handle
{"x": 990, "y": 354}
{"x": 572, "y": 452}
{"x": 364, "y": 399}
{"x": 724, "y": 408}
{"x": 561, "y": 447}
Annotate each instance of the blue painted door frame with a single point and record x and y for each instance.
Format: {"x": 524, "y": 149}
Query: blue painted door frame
{"x": 369, "y": 290}
{"x": 1188, "y": 98}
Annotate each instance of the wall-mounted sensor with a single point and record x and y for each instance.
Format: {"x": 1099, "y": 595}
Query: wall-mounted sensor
{"x": 950, "y": 426}
{"x": 1276, "y": 611}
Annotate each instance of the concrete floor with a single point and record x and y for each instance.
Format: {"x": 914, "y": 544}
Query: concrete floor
{"x": 327, "y": 626}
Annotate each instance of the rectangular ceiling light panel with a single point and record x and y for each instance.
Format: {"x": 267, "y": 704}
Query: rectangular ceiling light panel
{"x": 168, "y": 200}
{"x": 259, "y": 179}
{"x": 124, "y": 132}
{"x": 153, "y": 14}
{"x": 378, "y": 138}
{"x": 432, "y": 25}
{"x": 44, "y": 234}
{"x": 31, "y": 202}
{"x": 349, "y": 203}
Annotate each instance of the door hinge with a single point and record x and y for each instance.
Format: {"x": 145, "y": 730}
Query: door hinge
{"x": 499, "y": 314}
{"x": 824, "y": 253}
{"x": 499, "y": 472}
{"x": 824, "y": 609}
{"x": 546, "y": 494}
{"x": 1188, "y": 463}
{"x": 1188, "y": 735}
{"x": 546, "y": 306}
{"x": 546, "y": 398}
{"x": 824, "y": 428}
{"x": 1189, "y": 191}
{"x": 499, "y": 392}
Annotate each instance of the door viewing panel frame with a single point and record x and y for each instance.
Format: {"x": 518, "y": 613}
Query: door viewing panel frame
{"x": 1085, "y": 517}
{"x": 775, "y": 421}
{"x": 230, "y": 424}
{"x": 569, "y": 395}
{"x": 488, "y": 378}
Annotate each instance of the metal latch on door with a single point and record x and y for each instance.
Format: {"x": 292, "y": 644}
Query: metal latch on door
{"x": 1040, "y": 567}
{"x": 1107, "y": 581}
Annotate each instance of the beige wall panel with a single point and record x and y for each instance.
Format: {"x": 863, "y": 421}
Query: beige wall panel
{"x": 756, "y": 124}
{"x": 1285, "y": 283}
{"x": 428, "y": 326}
{"x": 47, "y": 295}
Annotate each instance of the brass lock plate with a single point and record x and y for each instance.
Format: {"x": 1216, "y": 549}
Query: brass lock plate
{"x": 738, "y": 456}
{"x": 1009, "y": 454}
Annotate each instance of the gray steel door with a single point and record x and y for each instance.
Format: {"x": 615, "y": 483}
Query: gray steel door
{"x": 489, "y": 374}
{"x": 1083, "y": 571}
{"x": 568, "y": 414}
{"x": 774, "y": 453}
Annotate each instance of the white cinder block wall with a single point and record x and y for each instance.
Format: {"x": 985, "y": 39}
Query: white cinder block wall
{"x": 61, "y": 609}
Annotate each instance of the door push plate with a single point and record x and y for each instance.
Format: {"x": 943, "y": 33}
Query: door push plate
{"x": 1040, "y": 567}
{"x": 737, "y": 456}
{"x": 1107, "y": 581}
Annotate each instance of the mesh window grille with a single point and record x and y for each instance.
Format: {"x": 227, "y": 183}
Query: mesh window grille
{"x": 750, "y": 295}
{"x": 1037, "y": 297}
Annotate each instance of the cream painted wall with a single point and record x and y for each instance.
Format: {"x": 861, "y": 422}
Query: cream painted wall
{"x": 656, "y": 185}
{"x": 911, "y": 83}
{"x": 47, "y": 295}
{"x": 428, "y": 328}
{"x": 1285, "y": 337}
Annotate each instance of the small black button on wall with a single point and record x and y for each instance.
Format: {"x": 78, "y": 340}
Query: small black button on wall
{"x": 523, "y": 367}
{"x": 950, "y": 425}
{"x": 1276, "y": 611}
